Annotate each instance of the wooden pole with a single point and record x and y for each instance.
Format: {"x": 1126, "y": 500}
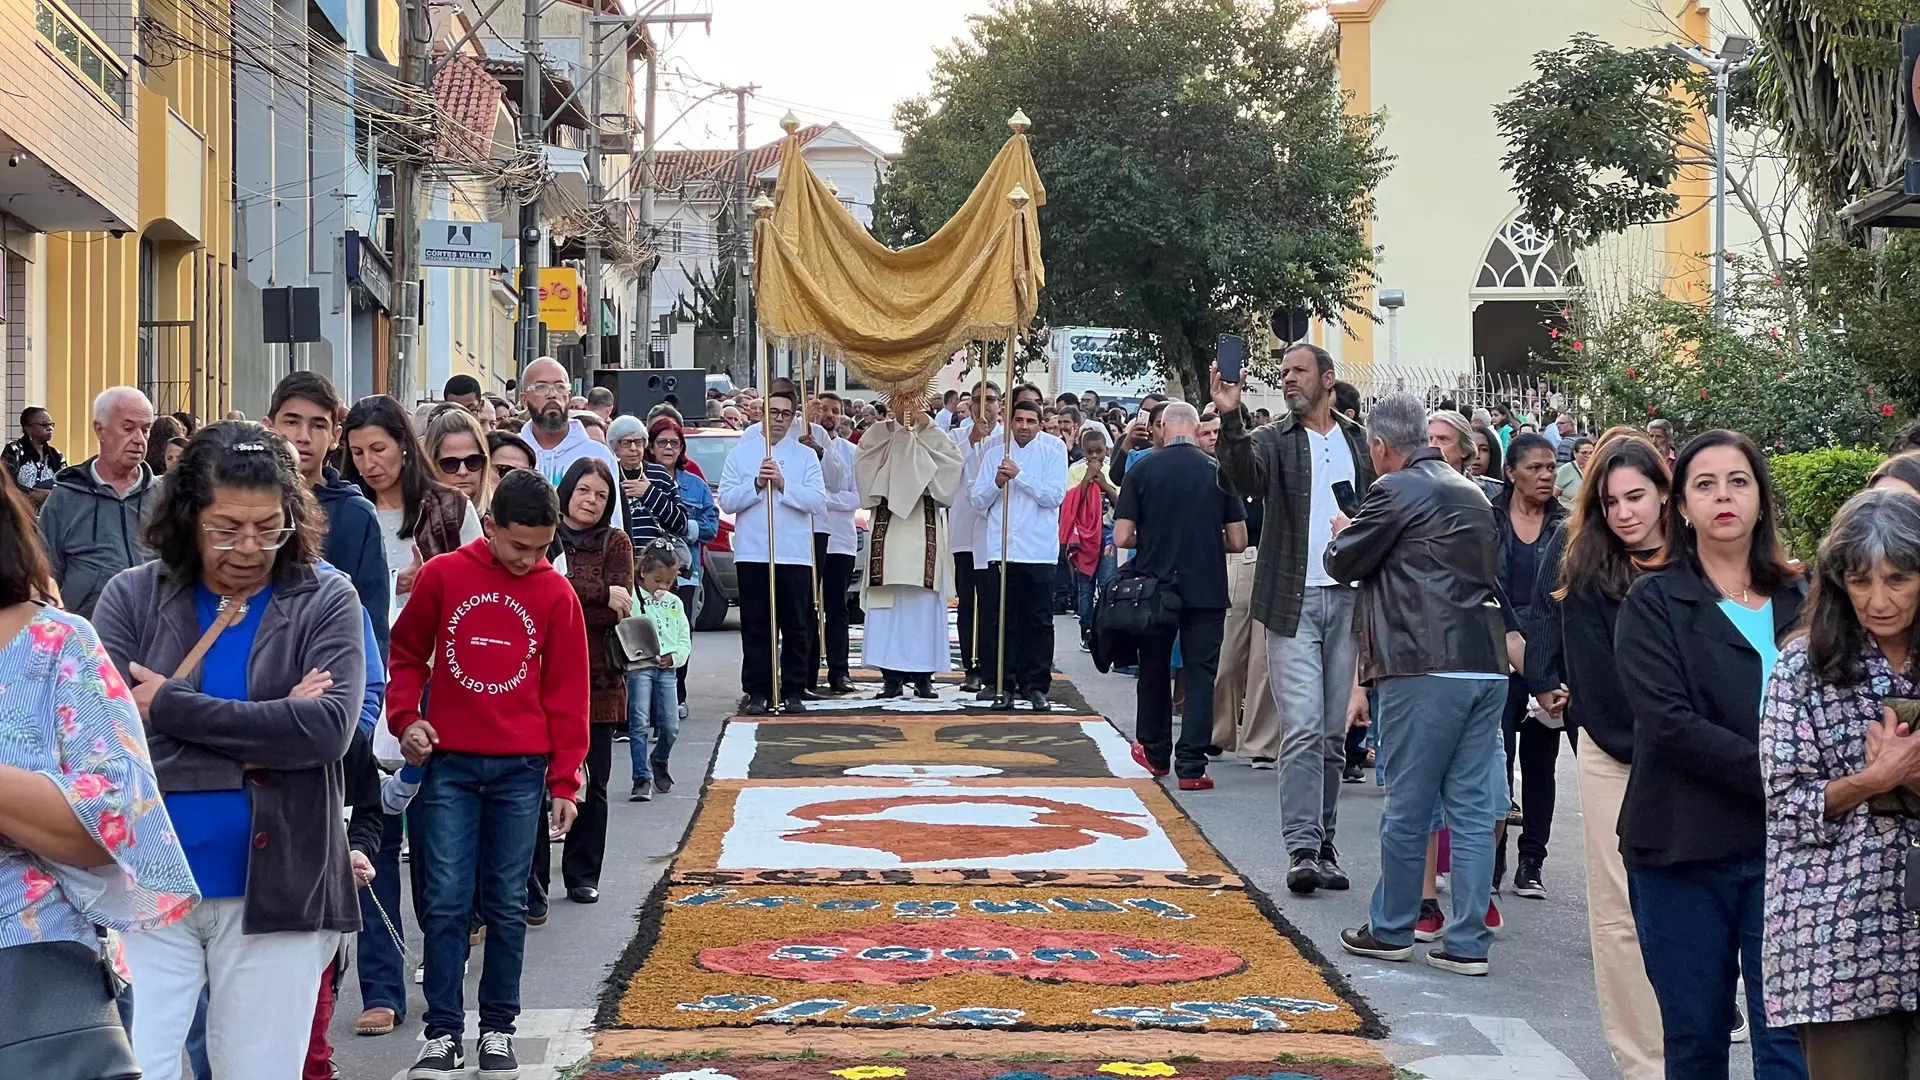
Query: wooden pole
{"x": 1006, "y": 521}
{"x": 773, "y": 595}
{"x": 813, "y": 555}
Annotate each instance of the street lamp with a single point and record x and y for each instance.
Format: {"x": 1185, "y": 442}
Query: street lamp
{"x": 1393, "y": 300}
{"x": 1736, "y": 54}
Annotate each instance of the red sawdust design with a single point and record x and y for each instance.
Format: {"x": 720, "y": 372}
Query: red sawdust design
{"x": 910, "y": 952}
{"x": 1059, "y": 826}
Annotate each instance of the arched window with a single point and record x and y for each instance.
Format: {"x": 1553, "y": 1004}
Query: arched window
{"x": 1522, "y": 257}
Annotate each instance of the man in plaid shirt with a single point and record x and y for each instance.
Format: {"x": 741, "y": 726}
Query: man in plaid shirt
{"x": 1293, "y": 464}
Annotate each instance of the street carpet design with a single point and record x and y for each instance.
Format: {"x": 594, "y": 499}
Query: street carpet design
{"x": 938, "y": 1068}
{"x": 964, "y": 882}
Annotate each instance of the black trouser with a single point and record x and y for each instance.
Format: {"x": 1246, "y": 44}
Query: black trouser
{"x": 1538, "y": 748}
{"x": 1029, "y": 625}
{"x": 794, "y": 585}
{"x": 685, "y": 592}
{"x": 964, "y": 584}
{"x": 1066, "y": 593}
{"x": 1200, "y": 633}
{"x": 587, "y": 840}
{"x": 836, "y": 573}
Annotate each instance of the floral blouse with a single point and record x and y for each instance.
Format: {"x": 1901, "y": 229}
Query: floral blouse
{"x": 1836, "y": 944}
{"x": 65, "y": 713}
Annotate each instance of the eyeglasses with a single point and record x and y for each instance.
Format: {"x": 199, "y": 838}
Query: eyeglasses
{"x": 631, "y": 444}
{"x": 472, "y": 463}
{"x": 228, "y": 539}
{"x": 780, "y": 414}
{"x": 501, "y": 469}
{"x": 549, "y": 388}
{"x": 666, "y": 444}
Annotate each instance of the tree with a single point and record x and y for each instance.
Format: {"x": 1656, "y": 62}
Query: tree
{"x": 1200, "y": 168}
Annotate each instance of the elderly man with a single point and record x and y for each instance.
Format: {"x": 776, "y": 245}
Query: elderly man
{"x": 91, "y": 522}
{"x": 1422, "y": 547}
{"x": 1303, "y": 465}
{"x": 905, "y": 475}
{"x": 1182, "y": 525}
{"x": 558, "y": 440}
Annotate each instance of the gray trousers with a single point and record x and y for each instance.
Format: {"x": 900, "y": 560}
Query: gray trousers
{"x": 1312, "y": 678}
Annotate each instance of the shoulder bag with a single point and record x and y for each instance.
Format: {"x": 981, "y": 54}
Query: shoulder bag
{"x": 1138, "y": 605}
{"x": 58, "y": 1014}
{"x": 633, "y": 644}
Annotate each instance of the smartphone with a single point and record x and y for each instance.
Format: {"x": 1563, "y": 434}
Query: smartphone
{"x": 1231, "y": 356}
{"x": 1343, "y": 496}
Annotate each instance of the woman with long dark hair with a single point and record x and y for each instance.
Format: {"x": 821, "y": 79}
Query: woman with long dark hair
{"x": 598, "y": 561}
{"x": 1694, "y": 644}
{"x": 1616, "y": 529}
{"x": 165, "y": 430}
{"x": 419, "y": 516}
{"x": 77, "y": 795}
{"x": 248, "y": 666}
{"x": 1840, "y": 947}
{"x": 1527, "y": 515}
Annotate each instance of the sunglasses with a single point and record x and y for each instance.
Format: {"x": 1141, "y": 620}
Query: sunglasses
{"x": 472, "y": 463}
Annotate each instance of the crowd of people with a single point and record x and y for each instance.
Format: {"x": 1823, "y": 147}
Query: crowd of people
{"x": 265, "y": 658}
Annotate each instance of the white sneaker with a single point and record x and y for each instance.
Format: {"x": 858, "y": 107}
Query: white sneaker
{"x": 420, "y": 975}
{"x": 683, "y": 713}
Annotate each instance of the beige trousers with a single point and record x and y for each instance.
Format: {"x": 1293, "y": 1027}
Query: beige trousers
{"x": 1629, "y": 1016}
{"x": 1245, "y": 718}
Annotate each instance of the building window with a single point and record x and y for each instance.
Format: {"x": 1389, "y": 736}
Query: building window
{"x": 676, "y": 236}
{"x": 1523, "y": 257}
{"x": 83, "y": 52}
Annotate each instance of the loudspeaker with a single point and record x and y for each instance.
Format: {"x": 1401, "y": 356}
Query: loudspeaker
{"x": 636, "y": 390}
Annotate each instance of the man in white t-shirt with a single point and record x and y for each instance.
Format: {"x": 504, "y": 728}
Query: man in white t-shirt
{"x": 1297, "y": 464}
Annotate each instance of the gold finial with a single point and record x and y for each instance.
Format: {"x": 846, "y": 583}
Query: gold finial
{"x": 790, "y": 123}
{"x": 1019, "y": 122}
{"x": 1019, "y": 197}
{"x": 762, "y": 206}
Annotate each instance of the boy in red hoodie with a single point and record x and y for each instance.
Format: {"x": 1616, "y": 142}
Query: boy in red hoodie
{"x": 500, "y": 635}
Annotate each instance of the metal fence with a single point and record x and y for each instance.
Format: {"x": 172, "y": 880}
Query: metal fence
{"x": 168, "y": 350}
{"x": 1469, "y": 387}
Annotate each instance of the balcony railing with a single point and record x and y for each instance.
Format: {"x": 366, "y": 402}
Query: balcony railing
{"x": 67, "y": 35}
{"x": 165, "y": 365}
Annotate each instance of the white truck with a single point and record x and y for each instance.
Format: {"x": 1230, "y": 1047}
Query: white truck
{"x": 1079, "y": 363}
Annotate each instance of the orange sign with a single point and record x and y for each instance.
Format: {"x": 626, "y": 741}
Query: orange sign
{"x": 560, "y": 299}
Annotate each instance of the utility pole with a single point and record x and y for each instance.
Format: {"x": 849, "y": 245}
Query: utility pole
{"x": 742, "y": 238}
{"x": 403, "y": 326}
{"x": 532, "y": 128}
{"x": 642, "y": 354}
{"x": 590, "y": 336}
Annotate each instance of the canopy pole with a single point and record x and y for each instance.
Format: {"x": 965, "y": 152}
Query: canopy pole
{"x": 773, "y": 595}
{"x": 1006, "y": 520}
{"x": 979, "y": 417}
{"x": 813, "y": 561}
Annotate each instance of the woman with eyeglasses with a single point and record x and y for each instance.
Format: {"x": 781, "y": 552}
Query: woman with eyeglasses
{"x": 598, "y": 561}
{"x": 419, "y": 517}
{"x": 457, "y": 452}
{"x": 248, "y": 666}
{"x": 507, "y": 452}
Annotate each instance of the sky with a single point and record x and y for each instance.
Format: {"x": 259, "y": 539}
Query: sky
{"x": 826, "y": 60}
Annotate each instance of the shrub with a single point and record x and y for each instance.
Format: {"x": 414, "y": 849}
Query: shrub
{"x": 1810, "y": 488}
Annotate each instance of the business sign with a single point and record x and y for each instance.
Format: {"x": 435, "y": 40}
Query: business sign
{"x": 1082, "y": 356}
{"x": 560, "y": 299}
{"x": 473, "y": 245}
{"x": 367, "y": 267}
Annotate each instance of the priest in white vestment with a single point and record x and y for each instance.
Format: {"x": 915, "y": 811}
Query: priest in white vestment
{"x": 906, "y": 477}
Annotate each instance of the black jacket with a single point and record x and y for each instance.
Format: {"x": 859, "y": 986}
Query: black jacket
{"x": 355, "y": 547}
{"x": 1570, "y": 642}
{"x": 1694, "y": 686}
{"x": 1554, "y": 516}
{"x": 1423, "y": 546}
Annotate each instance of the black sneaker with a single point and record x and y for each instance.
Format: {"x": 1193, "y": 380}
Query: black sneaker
{"x": 1353, "y": 774}
{"x": 440, "y": 1059}
{"x": 1526, "y": 880}
{"x": 1331, "y": 876}
{"x": 794, "y": 703}
{"x": 642, "y": 791}
{"x": 1303, "y": 872}
{"x": 662, "y": 779}
{"x": 757, "y": 705}
{"x": 621, "y": 736}
{"x": 1361, "y": 942}
{"x": 1459, "y": 965}
{"x": 1038, "y": 700}
{"x": 496, "y": 1057}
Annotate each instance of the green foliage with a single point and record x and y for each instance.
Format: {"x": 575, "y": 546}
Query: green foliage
{"x": 1200, "y": 168}
{"x": 1811, "y": 488}
{"x": 1873, "y": 296}
{"x": 1771, "y": 369}
{"x": 1593, "y": 138}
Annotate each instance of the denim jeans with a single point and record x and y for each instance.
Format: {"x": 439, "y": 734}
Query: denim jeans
{"x": 481, "y": 815}
{"x": 652, "y": 707}
{"x": 1439, "y": 744}
{"x": 1311, "y": 672}
{"x": 1087, "y": 588}
{"x": 383, "y": 964}
{"x": 1699, "y": 927}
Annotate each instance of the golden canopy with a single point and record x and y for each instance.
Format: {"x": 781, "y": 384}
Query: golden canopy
{"x": 896, "y": 317}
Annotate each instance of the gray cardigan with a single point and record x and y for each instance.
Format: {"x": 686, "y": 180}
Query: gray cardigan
{"x": 298, "y": 874}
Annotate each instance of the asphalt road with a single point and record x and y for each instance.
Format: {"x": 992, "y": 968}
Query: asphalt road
{"x": 1534, "y": 1018}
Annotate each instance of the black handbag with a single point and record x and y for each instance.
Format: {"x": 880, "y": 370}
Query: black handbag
{"x": 1137, "y": 605}
{"x": 58, "y": 1019}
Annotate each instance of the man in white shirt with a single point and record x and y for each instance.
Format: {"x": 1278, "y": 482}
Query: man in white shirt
{"x": 833, "y": 546}
{"x": 557, "y": 439}
{"x": 964, "y": 524}
{"x": 1024, "y": 483}
{"x": 773, "y": 475}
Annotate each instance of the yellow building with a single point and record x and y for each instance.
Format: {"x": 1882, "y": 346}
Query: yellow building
{"x": 1479, "y": 280}
{"x": 118, "y": 231}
